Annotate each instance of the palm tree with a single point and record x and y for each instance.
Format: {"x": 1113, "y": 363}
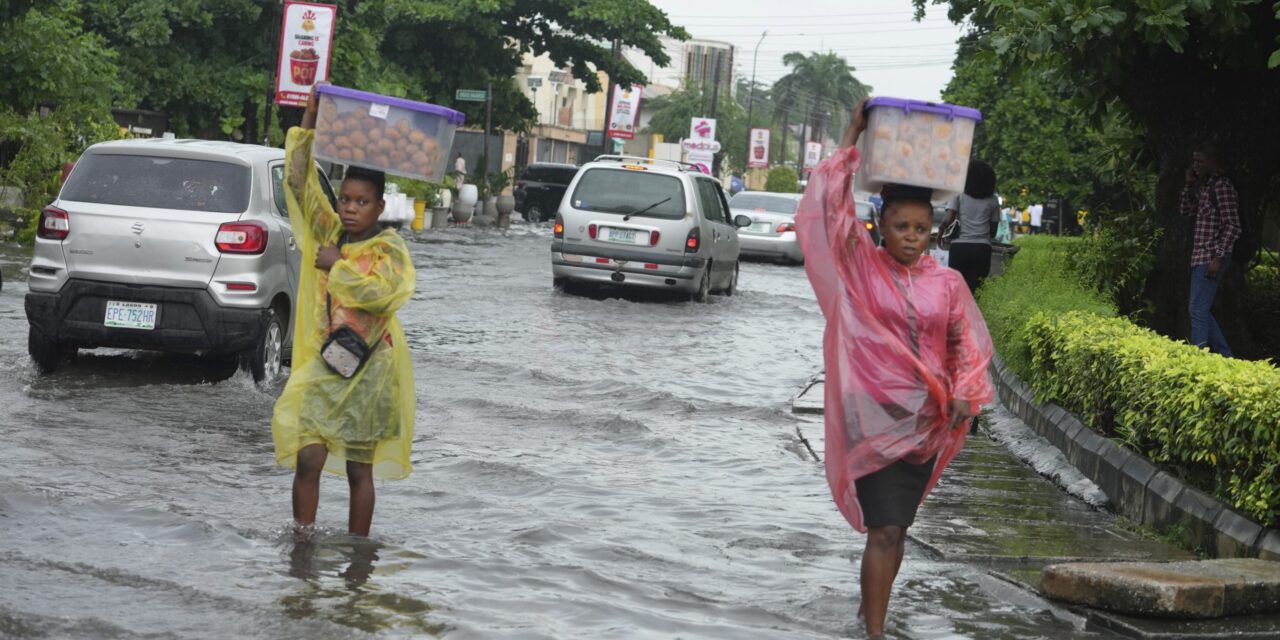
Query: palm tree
{"x": 823, "y": 86}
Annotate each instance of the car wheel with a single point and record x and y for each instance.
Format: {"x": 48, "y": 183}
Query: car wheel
{"x": 45, "y": 352}
{"x": 264, "y": 360}
{"x": 534, "y": 212}
{"x": 704, "y": 287}
{"x": 732, "y": 289}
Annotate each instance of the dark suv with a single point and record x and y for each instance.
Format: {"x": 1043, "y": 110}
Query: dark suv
{"x": 540, "y": 187}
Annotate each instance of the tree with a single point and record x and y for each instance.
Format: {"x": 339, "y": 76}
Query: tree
{"x": 1184, "y": 72}
{"x": 782, "y": 180}
{"x": 673, "y": 112}
{"x": 823, "y": 86}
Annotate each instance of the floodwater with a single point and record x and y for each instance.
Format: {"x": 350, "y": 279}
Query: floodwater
{"x": 585, "y": 467}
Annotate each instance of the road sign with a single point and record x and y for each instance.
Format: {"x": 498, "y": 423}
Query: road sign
{"x": 471, "y": 95}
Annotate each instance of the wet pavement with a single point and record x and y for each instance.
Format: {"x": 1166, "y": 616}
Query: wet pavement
{"x": 585, "y": 467}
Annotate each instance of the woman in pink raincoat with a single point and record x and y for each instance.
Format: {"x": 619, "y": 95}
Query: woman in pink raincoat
{"x": 906, "y": 355}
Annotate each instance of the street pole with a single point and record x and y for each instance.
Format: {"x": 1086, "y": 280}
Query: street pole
{"x": 488, "y": 131}
{"x": 274, "y": 34}
{"x": 751, "y": 101}
{"x": 608, "y": 105}
{"x": 715, "y": 98}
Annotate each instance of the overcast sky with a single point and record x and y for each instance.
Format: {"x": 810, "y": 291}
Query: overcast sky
{"x": 895, "y": 55}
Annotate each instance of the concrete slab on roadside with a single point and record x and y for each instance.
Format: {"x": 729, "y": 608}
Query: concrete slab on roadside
{"x": 1195, "y": 589}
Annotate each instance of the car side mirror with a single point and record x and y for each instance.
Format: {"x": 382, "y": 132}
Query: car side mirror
{"x": 741, "y": 221}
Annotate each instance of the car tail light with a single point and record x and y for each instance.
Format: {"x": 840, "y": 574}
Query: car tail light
{"x": 870, "y": 227}
{"x": 558, "y": 229}
{"x": 241, "y": 286}
{"x": 786, "y": 226}
{"x": 55, "y": 224}
{"x": 519, "y": 184}
{"x": 693, "y": 241}
{"x": 591, "y": 231}
{"x": 241, "y": 237}
{"x": 653, "y": 238}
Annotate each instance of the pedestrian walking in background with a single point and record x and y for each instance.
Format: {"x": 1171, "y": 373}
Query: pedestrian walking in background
{"x": 978, "y": 212}
{"x": 348, "y": 407}
{"x": 906, "y": 354}
{"x": 1037, "y": 215}
{"x": 1211, "y": 199}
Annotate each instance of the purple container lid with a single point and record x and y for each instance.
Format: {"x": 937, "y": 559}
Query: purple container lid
{"x": 950, "y": 110}
{"x": 454, "y": 117}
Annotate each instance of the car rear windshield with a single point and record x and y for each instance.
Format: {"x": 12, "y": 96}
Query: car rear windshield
{"x": 159, "y": 182}
{"x": 764, "y": 203}
{"x": 627, "y": 191}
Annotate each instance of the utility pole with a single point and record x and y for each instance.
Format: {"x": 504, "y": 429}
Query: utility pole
{"x": 274, "y": 35}
{"x": 751, "y": 101}
{"x": 715, "y": 97}
{"x": 785, "y": 117}
{"x": 488, "y": 130}
{"x": 608, "y": 105}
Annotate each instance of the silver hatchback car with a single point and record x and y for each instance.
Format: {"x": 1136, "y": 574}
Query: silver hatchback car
{"x": 167, "y": 245}
{"x": 641, "y": 222}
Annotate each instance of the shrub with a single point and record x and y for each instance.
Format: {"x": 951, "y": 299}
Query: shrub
{"x": 782, "y": 180}
{"x": 1214, "y": 421}
{"x": 1037, "y": 279}
{"x": 1117, "y": 258}
{"x": 1263, "y": 293}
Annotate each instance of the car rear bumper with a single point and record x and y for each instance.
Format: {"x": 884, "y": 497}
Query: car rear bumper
{"x": 187, "y": 320}
{"x": 682, "y": 273}
{"x": 780, "y": 246}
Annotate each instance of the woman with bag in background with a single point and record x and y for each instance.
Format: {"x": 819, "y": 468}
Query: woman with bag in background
{"x": 348, "y": 407}
{"x": 906, "y": 354}
{"x": 976, "y": 214}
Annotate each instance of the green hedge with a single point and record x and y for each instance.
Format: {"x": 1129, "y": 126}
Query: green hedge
{"x": 1213, "y": 421}
{"x": 1039, "y": 278}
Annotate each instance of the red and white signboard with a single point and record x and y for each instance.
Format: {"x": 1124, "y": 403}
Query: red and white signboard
{"x": 758, "y": 157}
{"x": 306, "y": 40}
{"x": 625, "y": 111}
{"x": 702, "y": 129}
{"x": 812, "y": 154}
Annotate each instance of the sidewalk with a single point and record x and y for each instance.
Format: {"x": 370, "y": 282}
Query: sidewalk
{"x": 992, "y": 510}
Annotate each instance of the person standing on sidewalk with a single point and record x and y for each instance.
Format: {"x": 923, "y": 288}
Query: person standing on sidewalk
{"x": 1211, "y": 199}
{"x": 906, "y": 354}
{"x": 979, "y": 214}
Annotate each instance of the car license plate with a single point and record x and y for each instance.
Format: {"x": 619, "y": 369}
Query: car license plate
{"x": 760, "y": 227}
{"x": 621, "y": 235}
{"x": 130, "y": 315}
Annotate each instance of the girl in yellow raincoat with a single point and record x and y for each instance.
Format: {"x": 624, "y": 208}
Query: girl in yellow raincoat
{"x": 359, "y": 278}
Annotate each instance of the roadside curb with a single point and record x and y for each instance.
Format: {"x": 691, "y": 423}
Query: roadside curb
{"x": 1136, "y": 488}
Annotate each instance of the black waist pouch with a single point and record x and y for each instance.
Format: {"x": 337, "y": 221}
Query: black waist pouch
{"x": 345, "y": 351}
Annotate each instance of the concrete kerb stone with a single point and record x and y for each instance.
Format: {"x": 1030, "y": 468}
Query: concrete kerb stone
{"x": 1268, "y": 545}
{"x": 1136, "y": 488}
{"x": 1131, "y": 498}
{"x": 1235, "y": 535}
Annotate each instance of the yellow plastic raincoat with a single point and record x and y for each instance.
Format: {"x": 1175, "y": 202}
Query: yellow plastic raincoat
{"x": 369, "y": 417}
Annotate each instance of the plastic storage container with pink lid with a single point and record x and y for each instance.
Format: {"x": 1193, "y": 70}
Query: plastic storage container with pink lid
{"x": 394, "y": 135}
{"x": 925, "y": 144}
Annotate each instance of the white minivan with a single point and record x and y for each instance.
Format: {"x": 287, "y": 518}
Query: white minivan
{"x": 640, "y": 222}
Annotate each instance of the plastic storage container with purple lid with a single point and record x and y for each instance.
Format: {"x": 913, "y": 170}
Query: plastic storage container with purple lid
{"x": 918, "y": 143}
{"x": 395, "y": 135}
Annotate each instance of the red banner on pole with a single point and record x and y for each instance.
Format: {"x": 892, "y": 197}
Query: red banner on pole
{"x": 626, "y": 109}
{"x": 306, "y": 42}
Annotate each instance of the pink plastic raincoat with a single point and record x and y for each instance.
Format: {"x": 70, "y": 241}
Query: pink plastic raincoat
{"x": 901, "y": 343}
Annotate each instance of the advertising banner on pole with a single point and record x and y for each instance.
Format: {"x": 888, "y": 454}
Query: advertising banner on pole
{"x": 625, "y": 112}
{"x": 759, "y": 152}
{"x": 306, "y": 40}
{"x": 702, "y": 129}
{"x": 702, "y": 160}
{"x": 812, "y": 154}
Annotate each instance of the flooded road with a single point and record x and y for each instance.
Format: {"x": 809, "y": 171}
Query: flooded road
{"x": 584, "y": 468}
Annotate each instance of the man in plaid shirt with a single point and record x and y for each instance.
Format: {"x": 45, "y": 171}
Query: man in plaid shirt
{"x": 1211, "y": 199}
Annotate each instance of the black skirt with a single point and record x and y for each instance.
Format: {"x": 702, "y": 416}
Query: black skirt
{"x": 890, "y": 496}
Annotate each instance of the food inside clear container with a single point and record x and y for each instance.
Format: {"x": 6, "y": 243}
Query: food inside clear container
{"x": 398, "y": 136}
{"x": 912, "y": 142}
